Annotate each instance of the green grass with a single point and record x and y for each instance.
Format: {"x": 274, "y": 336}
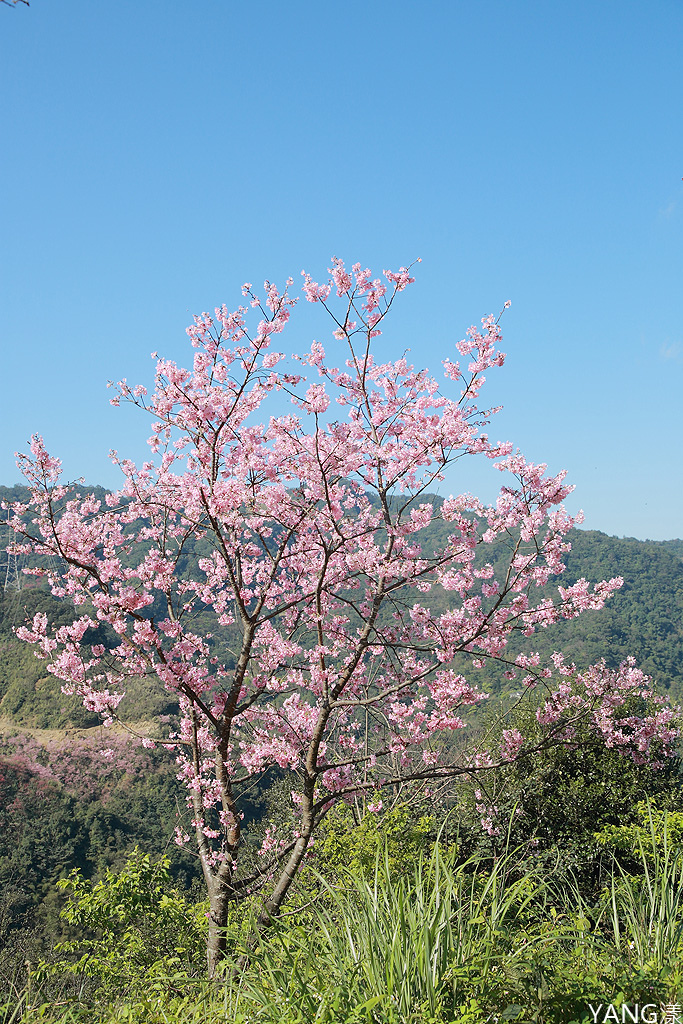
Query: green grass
{"x": 473, "y": 942}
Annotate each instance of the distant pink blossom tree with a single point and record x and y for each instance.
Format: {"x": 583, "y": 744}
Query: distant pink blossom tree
{"x": 289, "y": 500}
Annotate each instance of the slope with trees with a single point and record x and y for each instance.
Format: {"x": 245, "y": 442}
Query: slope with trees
{"x": 312, "y": 530}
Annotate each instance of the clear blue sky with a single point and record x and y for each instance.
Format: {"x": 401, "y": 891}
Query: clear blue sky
{"x": 158, "y": 153}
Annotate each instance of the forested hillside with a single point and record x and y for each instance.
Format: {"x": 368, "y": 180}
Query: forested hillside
{"x": 64, "y": 805}
{"x": 644, "y": 620}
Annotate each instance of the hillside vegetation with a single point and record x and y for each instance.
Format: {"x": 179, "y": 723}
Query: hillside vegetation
{"x": 644, "y": 620}
{"x": 63, "y": 807}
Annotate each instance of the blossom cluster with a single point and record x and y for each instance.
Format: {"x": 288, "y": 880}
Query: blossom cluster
{"x": 301, "y": 532}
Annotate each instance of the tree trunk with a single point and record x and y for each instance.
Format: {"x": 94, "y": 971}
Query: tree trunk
{"x": 219, "y": 905}
{"x": 271, "y": 906}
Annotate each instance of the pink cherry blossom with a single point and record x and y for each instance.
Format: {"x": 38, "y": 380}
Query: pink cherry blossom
{"x": 292, "y": 515}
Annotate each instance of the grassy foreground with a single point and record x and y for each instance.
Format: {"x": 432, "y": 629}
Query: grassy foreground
{"x": 444, "y": 941}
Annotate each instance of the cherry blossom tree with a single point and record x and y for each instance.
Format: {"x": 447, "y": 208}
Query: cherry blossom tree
{"x": 290, "y": 499}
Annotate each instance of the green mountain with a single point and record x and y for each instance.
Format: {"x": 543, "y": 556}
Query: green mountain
{"x": 644, "y": 619}
{"x": 61, "y": 806}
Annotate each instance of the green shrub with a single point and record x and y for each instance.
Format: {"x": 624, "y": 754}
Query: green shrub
{"x": 143, "y": 932}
